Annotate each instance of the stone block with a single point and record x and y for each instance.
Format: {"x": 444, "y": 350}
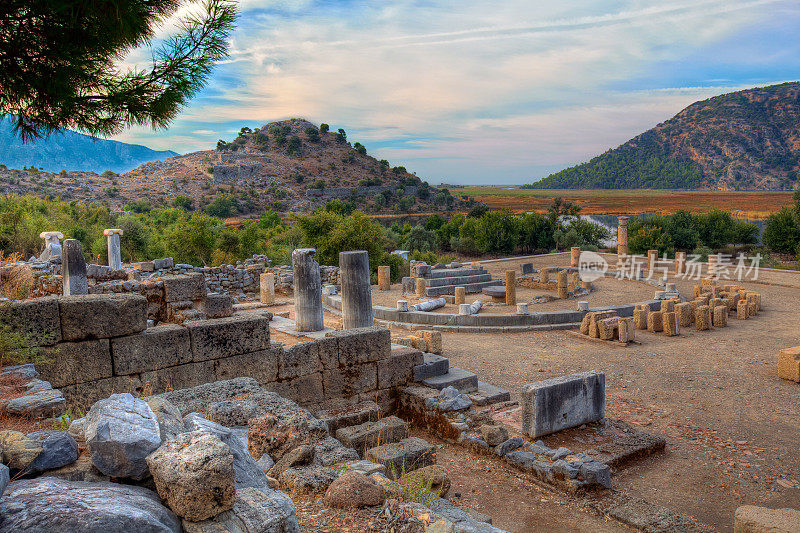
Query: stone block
{"x": 404, "y": 456}
{"x": 184, "y": 287}
{"x": 626, "y": 330}
{"x": 655, "y": 321}
{"x": 144, "y": 266}
{"x": 261, "y": 366}
{"x": 101, "y": 316}
{"x": 328, "y": 352}
{"x": 789, "y": 364}
{"x": 753, "y": 519}
{"x": 720, "y": 317}
{"x": 349, "y": 415}
{"x": 349, "y": 380}
{"x": 597, "y": 316}
{"x": 433, "y": 341}
{"x": 371, "y": 434}
{"x": 224, "y": 337}
{"x": 607, "y": 328}
{"x": 154, "y": 348}
{"x": 170, "y": 378}
{"x": 741, "y": 310}
{"x": 298, "y": 360}
{"x": 670, "y": 323}
{"x": 640, "y": 316}
{"x": 398, "y": 369}
{"x": 667, "y": 306}
{"x": 562, "y": 402}
{"x": 217, "y": 305}
{"x": 305, "y": 390}
{"x": 362, "y": 345}
{"x": 77, "y": 362}
{"x": 685, "y": 313}
{"x": 267, "y": 287}
{"x": 702, "y": 318}
{"x": 37, "y": 318}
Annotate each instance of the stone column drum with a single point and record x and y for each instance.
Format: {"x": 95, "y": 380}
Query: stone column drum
{"x": 622, "y": 236}
{"x": 356, "y": 292}
{"x": 712, "y": 265}
{"x": 680, "y": 262}
{"x": 307, "y": 291}
{"x": 73, "y": 268}
{"x": 574, "y": 256}
{"x": 52, "y": 248}
{"x": 267, "y": 287}
{"x": 114, "y": 250}
{"x": 384, "y": 278}
{"x": 511, "y": 287}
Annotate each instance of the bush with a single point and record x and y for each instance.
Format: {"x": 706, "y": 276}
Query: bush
{"x": 341, "y": 137}
{"x": 312, "y": 133}
{"x": 324, "y": 128}
{"x": 421, "y": 239}
{"x": 184, "y": 202}
{"x": 782, "y": 232}
{"x": 17, "y": 349}
{"x": 360, "y": 148}
{"x": 222, "y": 207}
{"x": 701, "y": 253}
{"x": 294, "y": 145}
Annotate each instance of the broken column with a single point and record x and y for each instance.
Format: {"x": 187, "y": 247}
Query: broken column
{"x": 789, "y": 364}
{"x": 73, "y": 268}
{"x": 422, "y": 284}
{"x": 720, "y": 316}
{"x": 652, "y": 260}
{"x": 384, "y": 278}
{"x": 685, "y": 312}
{"x": 356, "y": 292}
{"x": 680, "y": 263}
{"x": 511, "y": 287}
{"x": 702, "y": 318}
{"x": 114, "y": 250}
{"x": 307, "y": 291}
{"x": 267, "y": 287}
{"x": 712, "y": 265}
{"x": 574, "y": 256}
{"x": 561, "y": 285}
{"x": 622, "y": 237}
{"x": 52, "y": 248}
{"x": 459, "y": 295}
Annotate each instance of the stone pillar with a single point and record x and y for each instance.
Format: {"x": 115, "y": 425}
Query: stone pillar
{"x": 421, "y": 286}
{"x": 459, "y": 296}
{"x": 384, "y": 278}
{"x": 622, "y": 236}
{"x": 511, "y": 287}
{"x": 307, "y": 291}
{"x": 356, "y": 292}
{"x": 652, "y": 258}
{"x": 713, "y": 259}
{"x": 680, "y": 263}
{"x": 267, "y": 287}
{"x": 574, "y": 256}
{"x": 73, "y": 268}
{"x": 114, "y": 251}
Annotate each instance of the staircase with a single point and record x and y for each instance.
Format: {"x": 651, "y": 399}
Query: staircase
{"x": 445, "y": 280}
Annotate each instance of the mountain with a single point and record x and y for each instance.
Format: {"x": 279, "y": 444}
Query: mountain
{"x": 288, "y": 166}
{"x": 745, "y": 140}
{"x": 70, "y": 150}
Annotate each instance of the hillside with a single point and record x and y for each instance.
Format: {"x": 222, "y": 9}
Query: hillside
{"x": 289, "y": 166}
{"x": 746, "y": 140}
{"x": 70, "y": 150}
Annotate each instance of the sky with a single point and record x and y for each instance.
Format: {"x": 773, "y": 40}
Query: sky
{"x": 477, "y": 92}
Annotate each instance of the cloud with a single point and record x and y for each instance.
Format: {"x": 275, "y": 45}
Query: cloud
{"x": 516, "y": 89}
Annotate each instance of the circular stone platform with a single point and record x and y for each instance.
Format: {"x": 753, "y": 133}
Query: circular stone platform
{"x": 497, "y": 292}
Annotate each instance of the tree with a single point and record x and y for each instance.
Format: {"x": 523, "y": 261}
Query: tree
{"x": 360, "y": 148}
{"x": 313, "y": 134}
{"x": 341, "y": 136}
{"x": 561, "y": 207}
{"x": 294, "y": 145}
{"x": 59, "y": 62}
{"x": 324, "y": 128}
{"x": 782, "y": 233}
{"x": 222, "y": 207}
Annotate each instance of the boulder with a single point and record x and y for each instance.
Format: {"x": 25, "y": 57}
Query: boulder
{"x": 370, "y": 434}
{"x": 236, "y": 412}
{"x": 329, "y": 452}
{"x": 493, "y": 435}
{"x": 509, "y": 445}
{"x": 121, "y": 431}
{"x": 302, "y": 455}
{"x": 311, "y": 479}
{"x": 81, "y": 470}
{"x": 77, "y": 429}
{"x": 38, "y": 404}
{"x": 51, "y": 504}
{"x": 170, "y": 422}
{"x": 18, "y": 449}
{"x": 255, "y": 511}
{"x": 277, "y": 435}
{"x": 193, "y": 473}
{"x": 753, "y": 519}
{"x": 265, "y": 462}
{"x": 432, "y": 477}
{"x": 58, "y": 449}
{"x": 354, "y": 489}
{"x": 451, "y": 399}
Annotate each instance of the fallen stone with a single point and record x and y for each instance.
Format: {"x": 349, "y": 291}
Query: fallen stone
{"x": 560, "y": 453}
{"x": 121, "y": 431}
{"x": 194, "y": 475}
{"x": 565, "y": 470}
{"x": 311, "y": 479}
{"x": 44, "y": 403}
{"x": 277, "y": 435}
{"x": 170, "y": 423}
{"x": 596, "y": 473}
{"x": 404, "y": 456}
{"x": 233, "y": 412}
{"x": 329, "y": 452}
{"x": 493, "y": 435}
{"x": 51, "y": 504}
{"x": 365, "y": 467}
{"x": 450, "y": 399}
{"x": 24, "y": 372}
{"x": 58, "y": 449}
{"x": 514, "y": 443}
{"x": 302, "y": 455}
{"x": 255, "y": 511}
{"x": 18, "y": 449}
{"x": 354, "y": 489}
{"x": 350, "y": 415}
{"x": 562, "y": 402}
{"x": 81, "y": 470}
{"x": 432, "y": 477}
{"x": 371, "y": 434}
{"x": 77, "y": 429}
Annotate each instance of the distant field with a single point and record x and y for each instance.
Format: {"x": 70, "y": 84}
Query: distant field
{"x": 747, "y": 204}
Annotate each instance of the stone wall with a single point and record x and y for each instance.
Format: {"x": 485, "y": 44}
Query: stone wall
{"x": 100, "y": 344}
{"x": 347, "y": 192}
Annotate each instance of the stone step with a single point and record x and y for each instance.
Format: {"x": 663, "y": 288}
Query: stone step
{"x": 460, "y": 379}
{"x": 488, "y": 394}
{"x": 470, "y": 288}
{"x": 404, "y": 456}
{"x": 372, "y": 434}
{"x": 451, "y": 272}
{"x": 433, "y": 365}
{"x": 459, "y": 280}
{"x": 338, "y": 415}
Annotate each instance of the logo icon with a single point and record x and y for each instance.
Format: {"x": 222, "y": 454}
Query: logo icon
{"x": 592, "y": 266}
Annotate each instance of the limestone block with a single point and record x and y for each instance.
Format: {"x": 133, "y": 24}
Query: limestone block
{"x": 729, "y": 303}
{"x": 655, "y": 321}
{"x": 562, "y": 278}
{"x": 223, "y": 337}
{"x": 626, "y": 330}
{"x": 587, "y": 318}
{"x": 702, "y": 318}
{"x": 789, "y": 364}
{"x": 433, "y": 341}
{"x": 511, "y": 287}
{"x": 154, "y": 348}
{"x": 398, "y": 369}
{"x": 184, "y": 287}
{"x": 362, "y": 345}
{"x": 384, "y": 278}
{"x": 752, "y": 306}
{"x": 77, "y": 362}
{"x": 607, "y": 328}
{"x": 667, "y": 306}
{"x": 406, "y": 455}
{"x": 544, "y": 275}
{"x": 349, "y": 380}
{"x": 305, "y": 390}
{"x": 574, "y": 256}
{"x": 298, "y": 360}
{"x": 422, "y": 284}
{"x": 562, "y": 402}
{"x": 720, "y": 317}
{"x": 670, "y": 324}
{"x": 714, "y": 302}
{"x": 459, "y": 295}
{"x": 685, "y": 312}
{"x": 370, "y": 434}
{"x": 596, "y": 317}
{"x": 640, "y": 314}
{"x": 741, "y": 310}
{"x": 752, "y": 519}
{"x": 37, "y": 318}
{"x": 217, "y": 305}
{"x": 101, "y": 316}
{"x": 267, "y": 287}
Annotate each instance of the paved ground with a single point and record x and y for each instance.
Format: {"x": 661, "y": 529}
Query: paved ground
{"x": 731, "y": 425}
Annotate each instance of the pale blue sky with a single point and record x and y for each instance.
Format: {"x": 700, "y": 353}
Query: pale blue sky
{"x": 485, "y": 92}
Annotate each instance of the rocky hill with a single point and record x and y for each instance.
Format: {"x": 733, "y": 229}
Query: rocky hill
{"x": 291, "y": 165}
{"x": 71, "y": 151}
{"x": 746, "y": 140}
